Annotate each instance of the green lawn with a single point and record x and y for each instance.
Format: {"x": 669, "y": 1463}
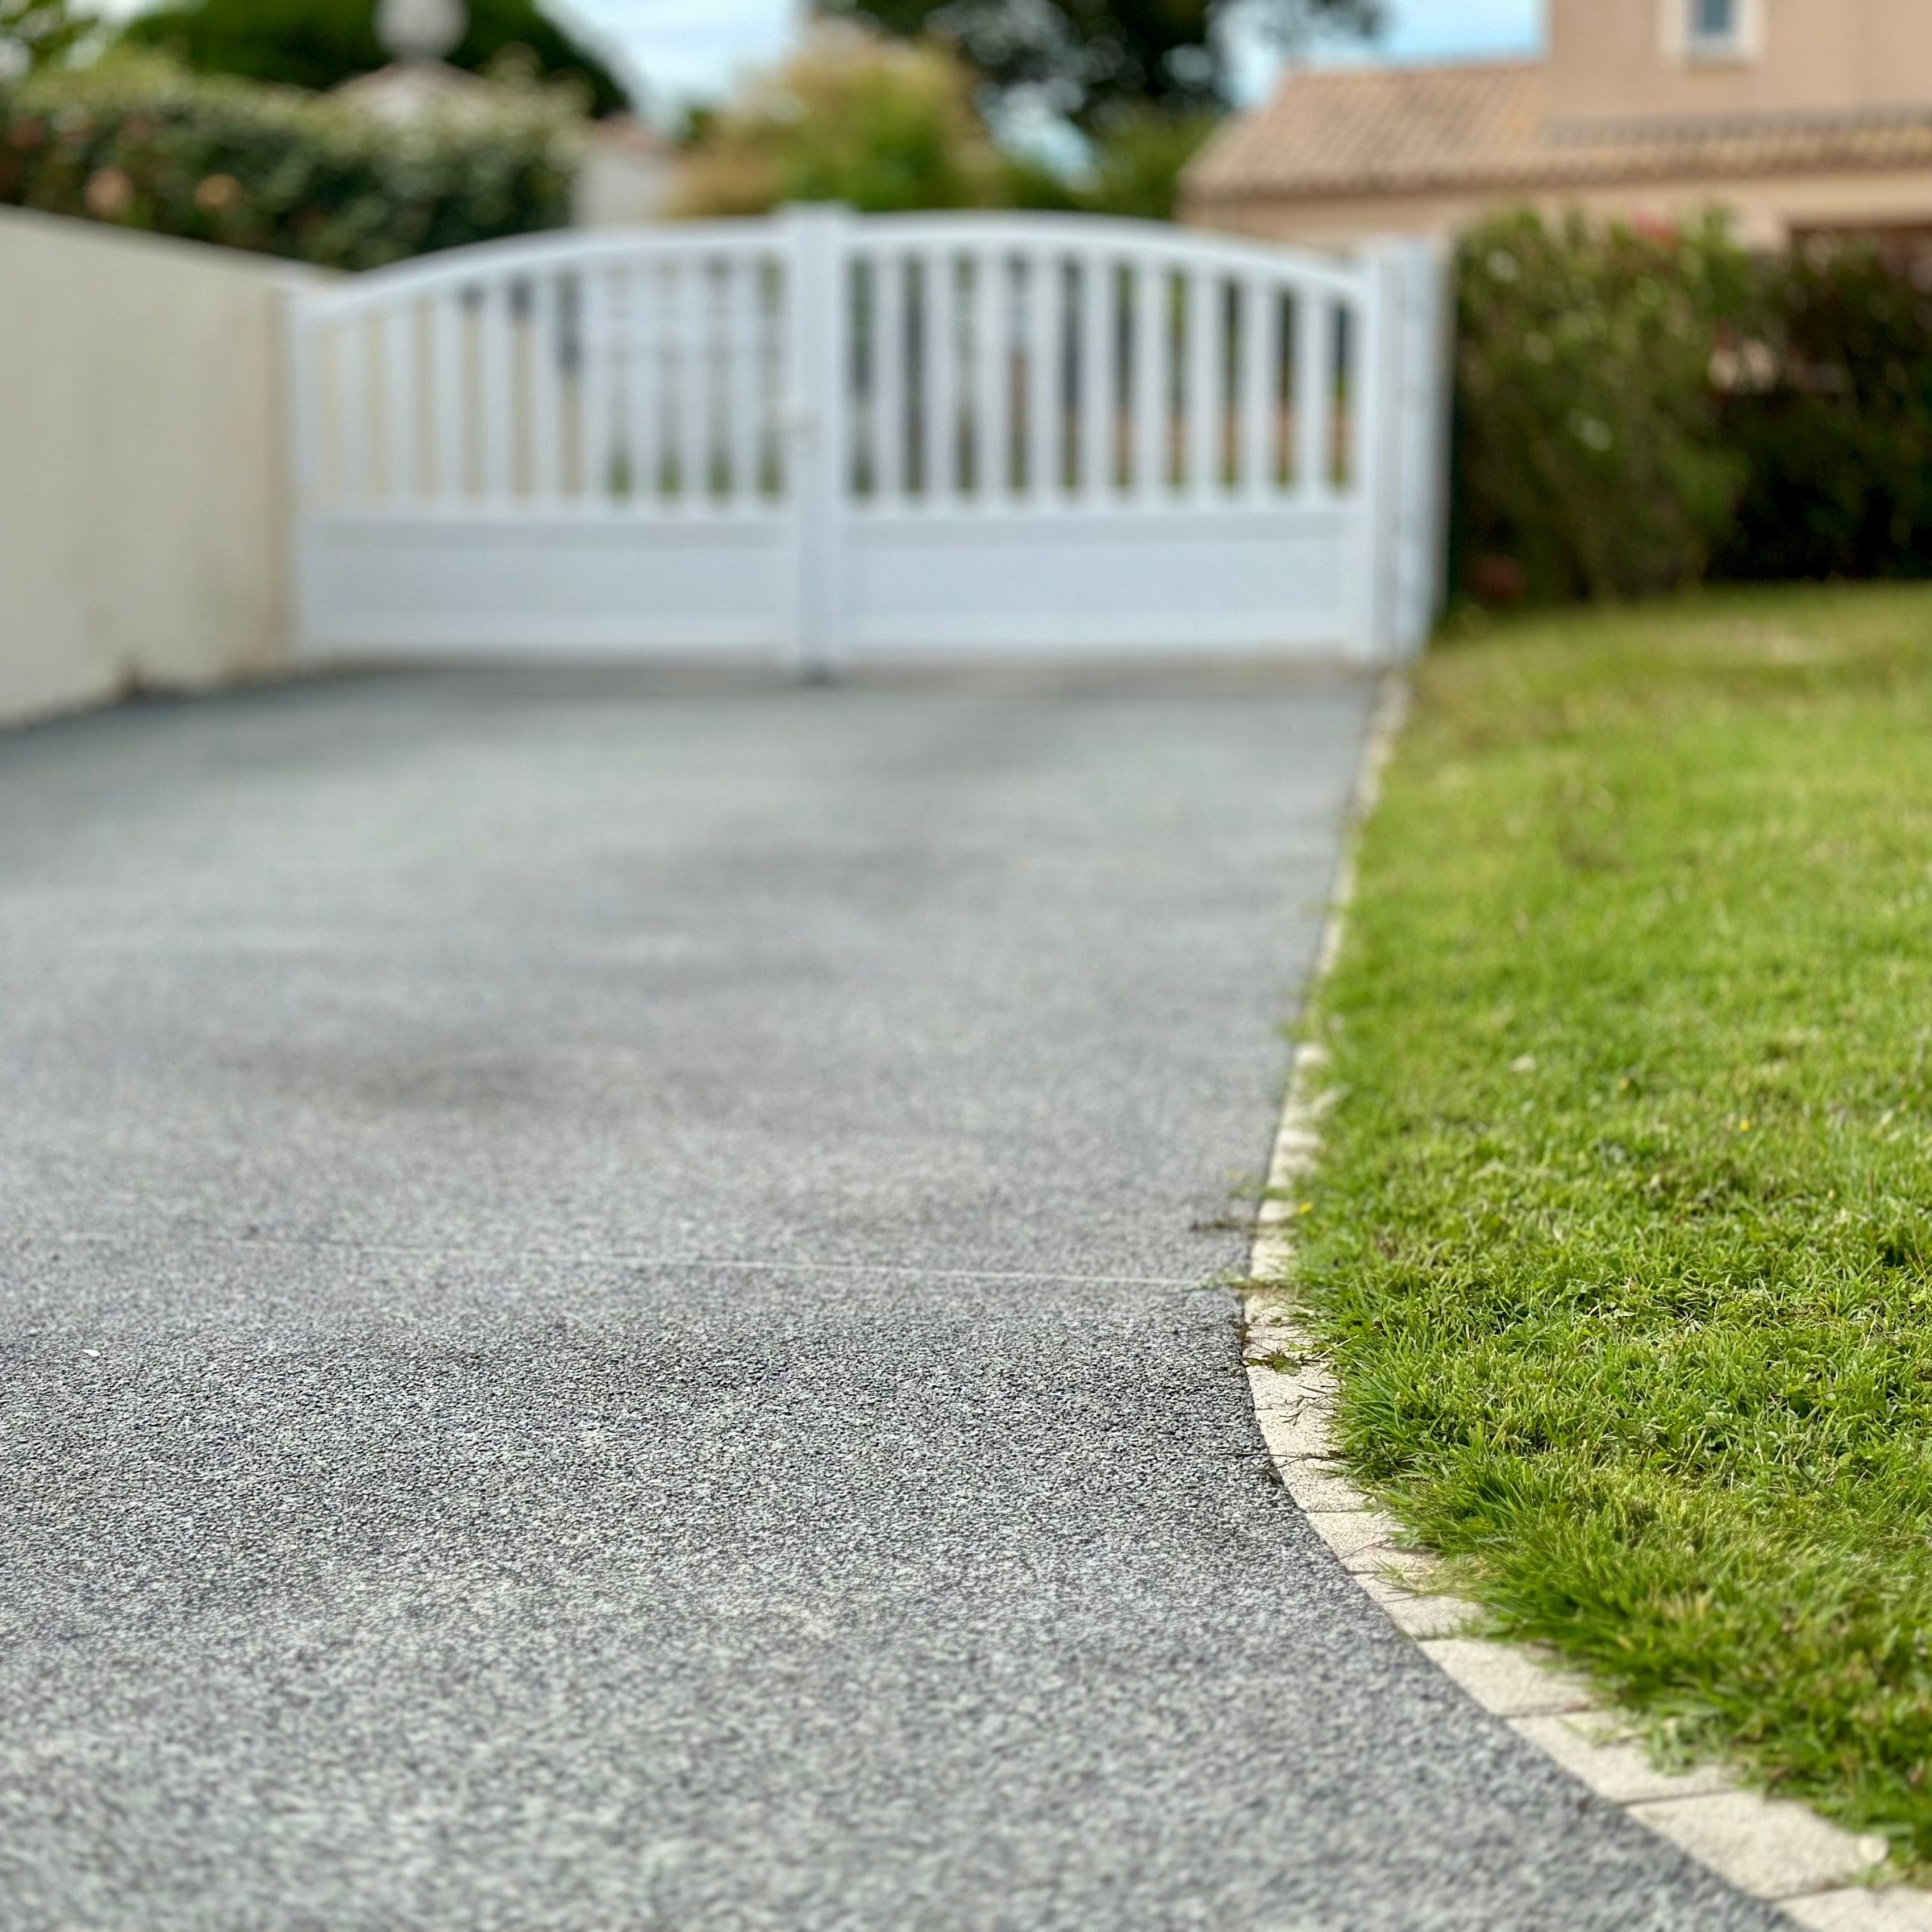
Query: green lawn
{"x": 1623, "y": 1240}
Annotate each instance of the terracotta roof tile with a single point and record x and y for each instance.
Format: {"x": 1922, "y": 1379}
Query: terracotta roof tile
{"x": 1389, "y": 131}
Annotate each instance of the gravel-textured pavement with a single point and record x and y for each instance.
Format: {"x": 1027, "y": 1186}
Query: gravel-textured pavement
{"x": 608, "y": 1290}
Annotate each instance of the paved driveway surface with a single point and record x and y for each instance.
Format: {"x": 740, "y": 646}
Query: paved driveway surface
{"x": 606, "y": 1289}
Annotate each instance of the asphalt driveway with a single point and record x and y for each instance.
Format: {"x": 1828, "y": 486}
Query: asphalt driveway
{"x": 608, "y": 1289}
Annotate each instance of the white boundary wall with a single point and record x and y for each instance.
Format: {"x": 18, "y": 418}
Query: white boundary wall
{"x": 143, "y": 510}
{"x": 821, "y": 436}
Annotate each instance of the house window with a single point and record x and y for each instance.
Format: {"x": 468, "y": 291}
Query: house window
{"x": 1715, "y": 27}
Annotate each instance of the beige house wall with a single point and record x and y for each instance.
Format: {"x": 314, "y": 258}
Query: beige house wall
{"x": 1613, "y": 59}
{"x": 1765, "y": 209}
{"x": 142, "y": 502}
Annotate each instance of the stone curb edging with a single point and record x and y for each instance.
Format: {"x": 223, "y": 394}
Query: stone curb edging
{"x": 1815, "y": 1872}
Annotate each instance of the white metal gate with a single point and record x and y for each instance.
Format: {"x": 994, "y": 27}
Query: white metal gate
{"x": 823, "y": 436}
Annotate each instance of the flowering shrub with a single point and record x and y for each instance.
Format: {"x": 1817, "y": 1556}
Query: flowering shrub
{"x": 144, "y": 145}
{"x": 1588, "y": 454}
{"x": 1638, "y": 408}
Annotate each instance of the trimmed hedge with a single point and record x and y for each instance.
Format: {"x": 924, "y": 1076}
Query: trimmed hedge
{"x": 1638, "y": 409}
{"x": 144, "y": 145}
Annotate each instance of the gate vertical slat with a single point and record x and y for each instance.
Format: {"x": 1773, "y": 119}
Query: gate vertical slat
{"x": 888, "y": 391}
{"x": 546, "y": 466}
{"x": 691, "y": 376}
{"x": 1153, "y": 343}
{"x": 446, "y": 348}
{"x": 1207, "y": 405}
{"x": 1260, "y": 384}
{"x": 399, "y": 405}
{"x": 992, "y": 450}
{"x": 596, "y": 396}
{"x": 493, "y": 322}
{"x": 1314, "y": 393}
{"x": 1046, "y": 400}
{"x": 742, "y": 366}
{"x": 644, "y": 440}
{"x": 940, "y": 347}
{"x": 1100, "y": 378}
{"x": 351, "y": 365}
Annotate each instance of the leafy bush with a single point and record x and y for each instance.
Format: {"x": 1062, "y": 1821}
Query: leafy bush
{"x": 143, "y": 145}
{"x": 1588, "y": 457}
{"x": 1637, "y": 409}
{"x": 1835, "y": 434}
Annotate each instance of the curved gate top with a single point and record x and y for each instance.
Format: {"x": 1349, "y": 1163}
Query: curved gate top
{"x": 822, "y": 435}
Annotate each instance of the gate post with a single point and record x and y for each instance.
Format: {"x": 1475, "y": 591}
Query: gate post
{"x": 1409, "y": 381}
{"x": 821, "y": 434}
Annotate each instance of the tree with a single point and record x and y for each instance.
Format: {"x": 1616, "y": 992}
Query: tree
{"x": 35, "y": 33}
{"x": 879, "y": 125}
{"x": 1137, "y": 160}
{"x": 320, "y": 43}
{"x": 1091, "y": 59}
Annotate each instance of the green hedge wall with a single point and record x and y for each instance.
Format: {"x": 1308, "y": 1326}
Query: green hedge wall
{"x": 1638, "y": 409}
{"x": 145, "y": 145}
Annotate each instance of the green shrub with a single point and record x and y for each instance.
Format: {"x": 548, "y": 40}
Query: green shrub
{"x": 143, "y": 145}
{"x": 1588, "y": 461}
{"x": 1835, "y": 431}
{"x": 1638, "y": 409}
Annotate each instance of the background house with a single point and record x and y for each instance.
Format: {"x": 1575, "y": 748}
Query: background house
{"x": 1798, "y": 115}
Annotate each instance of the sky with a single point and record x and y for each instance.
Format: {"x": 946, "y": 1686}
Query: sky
{"x": 691, "y": 49}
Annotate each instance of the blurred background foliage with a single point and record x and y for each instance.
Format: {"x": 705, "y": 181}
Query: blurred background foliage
{"x": 1588, "y": 461}
{"x": 1097, "y": 64}
{"x": 885, "y": 124}
{"x": 1638, "y": 409}
{"x": 143, "y": 144}
{"x": 36, "y": 33}
{"x": 880, "y": 124}
{"x": 321, "y": 43}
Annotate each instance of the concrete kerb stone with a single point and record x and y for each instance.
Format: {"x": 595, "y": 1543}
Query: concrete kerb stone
{"x": 1816, "y": 1873}
{"x": 1856, "y": 1909}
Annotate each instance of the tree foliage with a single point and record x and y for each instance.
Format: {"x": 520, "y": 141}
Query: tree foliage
{"x": 35, "y": 33}
{"x": 1089, "y": 60}
{"x": 879, "y": 125}
{"x": 885, "y": 125}
{"x": 320, "y": 43}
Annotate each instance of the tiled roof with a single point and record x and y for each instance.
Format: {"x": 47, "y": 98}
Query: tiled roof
{"x": 1390, "y": 131}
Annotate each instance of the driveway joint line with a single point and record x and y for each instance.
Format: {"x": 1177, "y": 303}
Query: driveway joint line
{"x": 624, "y": 1257}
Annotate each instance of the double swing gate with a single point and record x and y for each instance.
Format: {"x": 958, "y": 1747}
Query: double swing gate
{"x": 822, "y": 436}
